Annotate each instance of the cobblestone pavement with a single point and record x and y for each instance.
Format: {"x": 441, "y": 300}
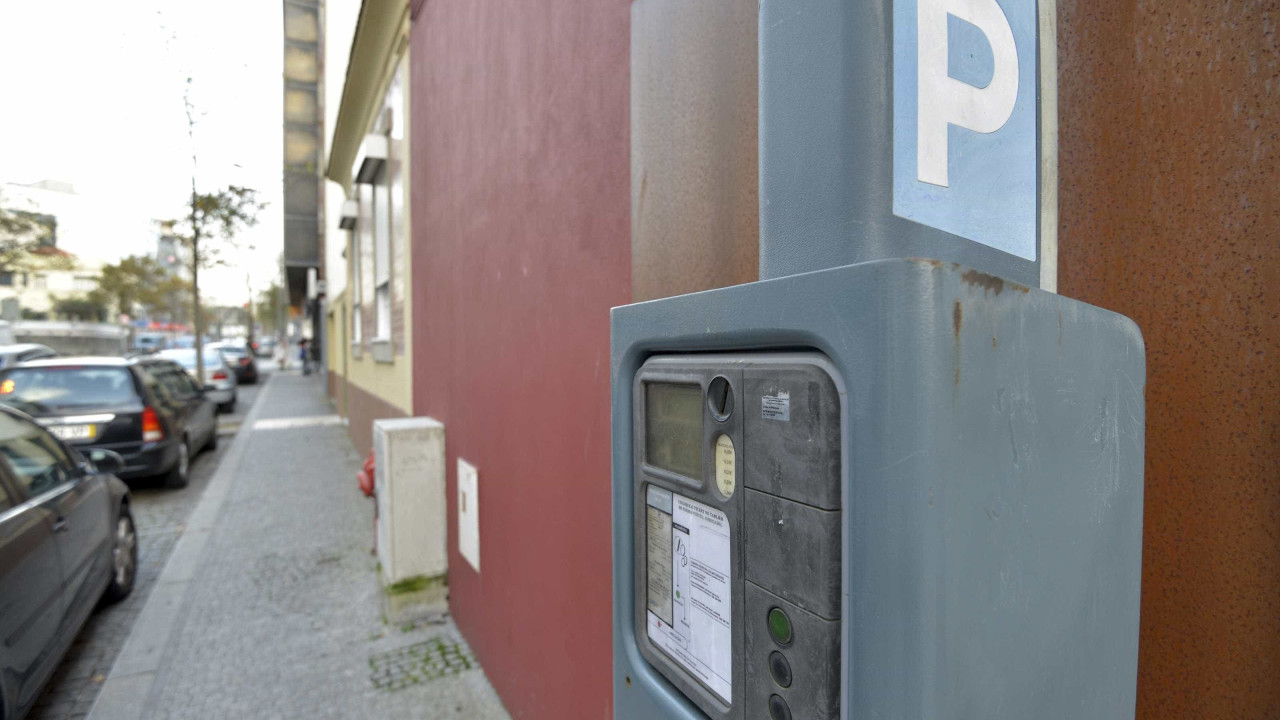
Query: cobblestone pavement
{"x": 159, "y": 514}
{"x": 282, "y": 618}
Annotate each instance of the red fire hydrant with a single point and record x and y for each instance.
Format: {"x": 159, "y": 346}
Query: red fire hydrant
{"x": 366, "y": 475}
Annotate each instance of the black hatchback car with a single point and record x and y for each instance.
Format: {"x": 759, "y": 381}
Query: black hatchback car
{"x": 147, "y": 409}
{"x": 67, "y": 542}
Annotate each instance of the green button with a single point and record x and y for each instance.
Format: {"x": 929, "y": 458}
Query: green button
{"x": 780, "y": 626}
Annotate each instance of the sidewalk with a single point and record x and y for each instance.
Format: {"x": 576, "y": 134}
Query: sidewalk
{"x": 269, "y": 607}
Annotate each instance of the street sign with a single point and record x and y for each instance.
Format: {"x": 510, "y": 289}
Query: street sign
{"x": 964, "y": 119}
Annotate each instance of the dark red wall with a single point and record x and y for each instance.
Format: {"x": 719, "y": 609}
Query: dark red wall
{"x": 520, "y": 246}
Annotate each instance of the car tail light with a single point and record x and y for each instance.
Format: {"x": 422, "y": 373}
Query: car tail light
{"x": 152, "y": 431}
{"x": 219, "y": 375}
{"x": 244, "y": 361}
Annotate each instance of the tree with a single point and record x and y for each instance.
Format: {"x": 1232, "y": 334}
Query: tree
{"x": 213, "y": 216}
{"x": 86, "y": 308}
{"x": 267, "y": 309}
{"x": 139, "y": 282}
{"x": 216, "y": 216}
{"x": 21, "y": 234}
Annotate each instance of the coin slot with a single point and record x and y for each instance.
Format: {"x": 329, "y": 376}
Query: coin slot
{"x": 720, "y": 398}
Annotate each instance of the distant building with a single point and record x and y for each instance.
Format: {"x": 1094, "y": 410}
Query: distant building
{"x": 52, "y": 272}
{"x": 169, "y": 250}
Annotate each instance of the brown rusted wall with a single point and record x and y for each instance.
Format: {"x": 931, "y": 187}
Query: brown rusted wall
{"x": 694, "y": 212}
{"x": 1170, "y": 214}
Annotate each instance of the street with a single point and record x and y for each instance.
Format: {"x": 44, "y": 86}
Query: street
{"x": 160, "y": 515}
{"x": 259, "y": 576}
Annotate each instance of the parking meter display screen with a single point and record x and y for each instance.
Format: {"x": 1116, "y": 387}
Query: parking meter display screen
{"x": 673, "y": 428}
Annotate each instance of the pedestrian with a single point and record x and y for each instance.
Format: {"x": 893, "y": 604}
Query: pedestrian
{"x": 304, "y": 355}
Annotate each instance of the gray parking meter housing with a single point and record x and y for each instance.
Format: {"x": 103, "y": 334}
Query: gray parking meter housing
{"x": 990, "y": 492}
{"x": 827, "y": 142}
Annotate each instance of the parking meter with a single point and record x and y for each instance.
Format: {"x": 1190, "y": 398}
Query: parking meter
{"x": 873, "y": 485}
{"x": 899, "y": 489}
{"x": 736, "y": 479}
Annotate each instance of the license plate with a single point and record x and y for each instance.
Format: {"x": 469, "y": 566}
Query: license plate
{"x": 73, "y": 432}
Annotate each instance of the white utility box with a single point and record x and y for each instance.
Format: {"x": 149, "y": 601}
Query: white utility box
{"x": 409, "y": 480}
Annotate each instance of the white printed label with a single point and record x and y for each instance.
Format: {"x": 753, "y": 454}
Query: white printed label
{"x": 699, "y": 636}
{"x": 776, "y": 407}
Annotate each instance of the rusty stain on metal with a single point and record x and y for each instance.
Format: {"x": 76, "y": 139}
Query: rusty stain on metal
{"x": 991, "y": 283}
{"x": 957, "y": 322}
{"x": 1169, "y": 211}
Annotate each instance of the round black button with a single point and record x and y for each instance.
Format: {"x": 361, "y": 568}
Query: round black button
{"x": 780, "y": 626}
{"x": 778, "y": 709}
{"x": 780, "y": 669}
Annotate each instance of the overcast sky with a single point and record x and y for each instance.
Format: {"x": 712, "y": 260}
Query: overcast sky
{"x": 91, "y": 93}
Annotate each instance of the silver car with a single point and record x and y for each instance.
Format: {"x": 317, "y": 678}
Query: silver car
{"x": 219, "y": 377}
{"x": 14, "y": 354}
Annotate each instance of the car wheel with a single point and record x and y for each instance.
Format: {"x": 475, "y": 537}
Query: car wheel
{"x": 179, "y": 475}
{"x": 124, "y": 558}
{"x": 228, "y": 407}
{"x": 212, "y": 443}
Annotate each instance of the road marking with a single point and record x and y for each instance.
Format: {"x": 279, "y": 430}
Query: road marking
{"x": 290, "y": 423}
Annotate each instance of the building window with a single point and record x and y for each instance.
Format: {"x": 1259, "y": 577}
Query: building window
{"x": 39, "y": 282}
{"x": 84, "y": 283}
{"x": 6, "y": 278}
{"x": 382, "y": 257}
{"x": 353, "y": 253}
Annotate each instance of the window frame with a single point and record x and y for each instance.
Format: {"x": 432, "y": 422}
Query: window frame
{"x": 354, "y": 247}
{"x": 68, "y": 466}
{"x": 8, "y": 499}
{"x": 381, "y": 206}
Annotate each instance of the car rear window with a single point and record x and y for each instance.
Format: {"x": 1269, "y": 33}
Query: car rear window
{"x": 33, "y": 389}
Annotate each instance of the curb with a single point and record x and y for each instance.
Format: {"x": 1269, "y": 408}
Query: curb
{"x": 128, "y": 686}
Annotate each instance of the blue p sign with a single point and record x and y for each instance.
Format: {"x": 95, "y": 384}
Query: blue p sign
{"x": 964, "y": 119}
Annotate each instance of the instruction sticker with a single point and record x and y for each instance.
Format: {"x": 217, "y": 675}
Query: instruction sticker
{"x": 776, "y": 407}
{"x": 697, "y": 629}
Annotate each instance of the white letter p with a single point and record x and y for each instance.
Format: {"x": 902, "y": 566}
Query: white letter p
{"x": 943, "y": 100}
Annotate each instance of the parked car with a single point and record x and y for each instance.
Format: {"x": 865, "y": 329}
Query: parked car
{"x": 67, "y": 542}
{"x": 150, "y": 342}
{"x": 219, "y": 377}
{"x": 239, "y": 357}
{"x": 266, "y": 347}
{"x": 147, "y": 409}
{"x": 22, "y": 352}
